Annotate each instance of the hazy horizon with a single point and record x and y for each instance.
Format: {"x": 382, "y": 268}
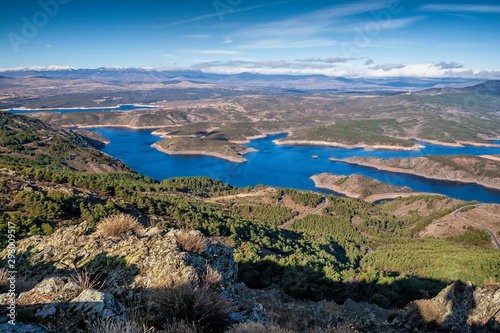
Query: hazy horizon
{"x": 351, "y": 39}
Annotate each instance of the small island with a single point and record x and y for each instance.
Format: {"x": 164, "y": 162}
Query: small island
{"x": 361, "y": 187}
{"x": 484, "y": 171}
{"x": 226, "y": 150}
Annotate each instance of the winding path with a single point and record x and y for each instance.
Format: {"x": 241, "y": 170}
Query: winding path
{"x": 316, "y": 210}
{"x": 492, "y": 234}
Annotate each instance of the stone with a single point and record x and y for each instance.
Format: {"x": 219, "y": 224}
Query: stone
{"x": 93, "y": 303}
{"x": 21, "y": 328}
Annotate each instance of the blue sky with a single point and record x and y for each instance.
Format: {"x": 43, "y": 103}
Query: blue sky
{"x": 376, "y": 38}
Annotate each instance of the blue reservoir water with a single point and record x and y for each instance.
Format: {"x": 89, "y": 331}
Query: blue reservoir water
{"x": 284, "y": 166}
{"x": 116, "y": 108}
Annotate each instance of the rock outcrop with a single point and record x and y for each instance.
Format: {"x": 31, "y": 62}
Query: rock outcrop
{"x": 358, "y": 186}
{"x": 466, "y": 169}
{"x": 140, "y": 260}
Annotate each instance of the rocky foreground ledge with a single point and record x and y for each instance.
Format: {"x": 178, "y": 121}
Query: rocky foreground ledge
{"x": 137, "y": 266}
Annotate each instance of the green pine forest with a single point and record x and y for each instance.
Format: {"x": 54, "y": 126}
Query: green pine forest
{"x": 354, "y": 249}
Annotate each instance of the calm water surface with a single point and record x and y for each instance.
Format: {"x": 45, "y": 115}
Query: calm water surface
{"x": 116, "y": 108}
{"x": 284, "y": 166}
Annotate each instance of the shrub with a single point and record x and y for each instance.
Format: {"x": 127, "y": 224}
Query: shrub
{"x": 4, "y": 283}
{"x": 251, "y": 327}
{"x": 116, "y": 225}
{"x": 422, "y": 312}
{"x": 191, "y": 303}
{"x": 212, "y": 279}
{"x": 191, "y": 242}
{"x": 84, "y": 280}
{"x": 22, "y": 284}
{"x": 112, "y": 325}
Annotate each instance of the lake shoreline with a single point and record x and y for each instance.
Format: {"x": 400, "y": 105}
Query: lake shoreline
{"x": 410, "y": 172}
{"x": 80, "y": 108}
{"x": 415, "y": 147}
{"x": 205, "y": 153}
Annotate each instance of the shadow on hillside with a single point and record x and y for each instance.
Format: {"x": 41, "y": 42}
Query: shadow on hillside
{"x": 299, "y": 281}
{"x": 197, "y": 303}
{"x": 106, "y": 273}
{"x": 435, "y": 317}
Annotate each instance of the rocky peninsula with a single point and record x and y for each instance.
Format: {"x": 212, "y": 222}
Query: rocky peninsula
{"x": 461, "y": 168}
{"x": 232, "y": 152}
{"x": 358, "y": 186}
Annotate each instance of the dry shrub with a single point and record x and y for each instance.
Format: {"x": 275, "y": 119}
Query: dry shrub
{"x": 22, "y": 284}
{"x": 178, "y": 327}
{"x": 424, "y": 311}
{"x": 116, "y": 225}
{"x": 491, "y": 284}
{"x": 212, "y": 279}
{"x": 85, "y": 280}
{"x": 251, "y": 327}
{"x": 191, "y": 242}
{"x": 4, "y": 283}
{"x": 112, "y": 325}
{"x": 191, "y": 303}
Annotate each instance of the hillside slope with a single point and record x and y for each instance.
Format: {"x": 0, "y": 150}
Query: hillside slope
{"x": 25, "y": 141}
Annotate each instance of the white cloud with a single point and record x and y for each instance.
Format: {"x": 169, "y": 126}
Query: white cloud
{"x": 329, "y": 60}
{"x": 387, "y": 67}
{"x": 227, "y": 40}
{"x": 48, "y": 45}
{"x": 260, "y": 64}
{"x": 368, "y": 62}
{"x": 213, "y": 51}
{"x": 426, "y": 70}
{"x": 168, "y": 55}
{"x": 310, "y": 23}
{"x": 448, "y": 65}
{"x": 461, "y": 8}
{"x": 285, "y": 43}
{"x": 216, "y": 14}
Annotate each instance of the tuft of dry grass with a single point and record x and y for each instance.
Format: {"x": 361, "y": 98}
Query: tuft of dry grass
{"x": 4, "y": 283}
{"x": 111, "y": 325}
{"x": 252, "y": 327}
{"x": 85, "y": 280}
{"x": 212, "y": 279}
{"x": 117, "y": 225}
{"x": 424, "y": 311}
{"x": 22, "y": 284}
{"x": 191, "y": 242}
{"x": 491, "y": 284}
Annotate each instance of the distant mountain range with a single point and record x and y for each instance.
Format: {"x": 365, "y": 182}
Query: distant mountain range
{"x": 302, "y": 82}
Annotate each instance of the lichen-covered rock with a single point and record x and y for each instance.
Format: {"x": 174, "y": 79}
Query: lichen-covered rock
{"x": 487, "y": 307}
{"x": 95, "y": 304}
{"x": 458, "y": 308}
{"x": 21, "y": 328}
{"x": 365, "y": 315}
{"x": 145, "y": 260}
